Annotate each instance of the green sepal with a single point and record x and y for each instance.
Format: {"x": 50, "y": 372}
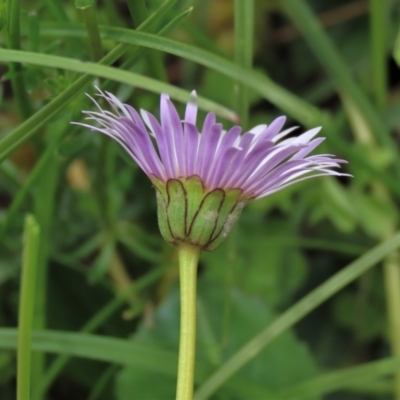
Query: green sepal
{"x": 205, "y": 221}
{"x": 162, "y": 204}
{"x": 227, "y": 227}
{"x": 176, "y": 209}
{"x": 231, "y": 199}
{"x": 162, "y": 218}
{"x": 162, "y": 188}
{"x": 188, "y": 213}
{"x": 195, "y": 195}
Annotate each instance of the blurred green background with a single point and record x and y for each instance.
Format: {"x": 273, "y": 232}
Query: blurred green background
{"x": 103, "y": 267}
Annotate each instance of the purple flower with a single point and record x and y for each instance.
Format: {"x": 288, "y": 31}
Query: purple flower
{"x": 174, "y": 154}
{"x": 258, "y": 162}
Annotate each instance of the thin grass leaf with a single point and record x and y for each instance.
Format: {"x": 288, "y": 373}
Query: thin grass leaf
{"x": 379, "y": 22}
{"x": 130, "y": 78}
{"x": 26, "y": 307}
{"x": 244, "y": 37}
{"x": 342, "y": 379}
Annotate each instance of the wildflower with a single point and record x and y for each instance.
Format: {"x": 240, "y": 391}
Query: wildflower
{"x": 204, "y": 179}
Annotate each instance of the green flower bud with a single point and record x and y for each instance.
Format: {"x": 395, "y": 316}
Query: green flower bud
{"x": 189, "y": 213}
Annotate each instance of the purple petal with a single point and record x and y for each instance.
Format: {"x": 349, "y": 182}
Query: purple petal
{"x": 277, "y": 188}
{"x": 228, "y": 139}
{"x": 310, "y": 147}
{"x": 208, "y": 146}
{"x": 246, "y": 141}
{"x": 191, "y": 109}
{"x": 268, "y": 179}
{"x": 224, "y": 167}
{"x": 143, "y": 148}
{"x": 273, "y": 128}
{"x": 273, "y": 159}
{"x": 192, "y": 138}
{"x": 250, "y": 162}
{"x": 177, "y": 133}
{"x": 209, "y": 121}
{"x": 162, "y": 145}
{"x": 168, "y": 133}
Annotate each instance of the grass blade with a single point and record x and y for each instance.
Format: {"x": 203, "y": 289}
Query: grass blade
{"x": 337, "y": 380}
{"x": 244, "y": 38}
{"x": 379, "y": 21}
{"x": 26, "y": 306}
{"x": 17, "y": 76}
{"x": 130, "y": 78}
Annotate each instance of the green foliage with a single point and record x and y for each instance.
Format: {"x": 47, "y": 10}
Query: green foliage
{"x": 106, "y": 302}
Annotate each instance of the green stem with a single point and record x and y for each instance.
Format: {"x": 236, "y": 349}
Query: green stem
{"x": 396, "y": 51}
{"x": 17, "y": 78}
{"x": 139, "y": 13}
{"x": 378, "y": 21}
{"x": 88, "y": 14}
{"x": 44, "y": 205}
{"x": 34, "y": 35}
{"x": 188, "y": 260}
{"x": 244, "y": 34}
{"x": 138, "y": 10}
{"x": 391, "y": 271}
{"x": 110, "y": 7}
{"x": 26, "y": 305}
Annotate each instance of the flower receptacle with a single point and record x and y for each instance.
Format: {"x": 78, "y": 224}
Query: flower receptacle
{"x": 189, "y": 213}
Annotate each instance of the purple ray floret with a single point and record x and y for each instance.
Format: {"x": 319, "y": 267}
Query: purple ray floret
{"x": 259, "y": 162}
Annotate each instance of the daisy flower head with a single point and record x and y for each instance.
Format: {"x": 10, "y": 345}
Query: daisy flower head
{"x": 204, "y": 177}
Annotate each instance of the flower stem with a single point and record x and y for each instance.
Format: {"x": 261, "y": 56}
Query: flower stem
{"x": 188, "y": 260}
